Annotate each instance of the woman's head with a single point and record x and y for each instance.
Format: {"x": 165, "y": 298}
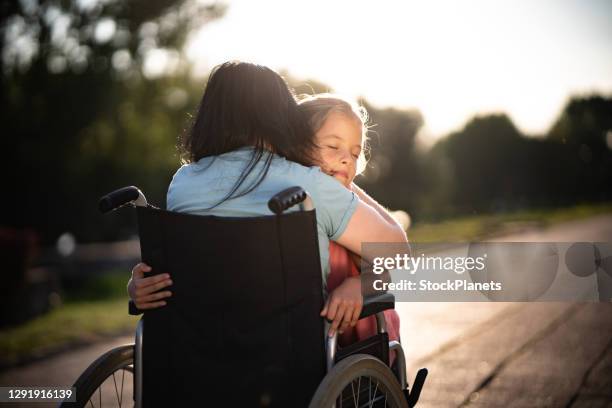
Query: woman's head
{"x": 340, "y": 133}
{"x": 246, "y": 104}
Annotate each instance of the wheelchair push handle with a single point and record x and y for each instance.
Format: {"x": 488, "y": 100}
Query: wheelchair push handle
{"x": 288, "y": 198}
{"x": 121, "y": 197}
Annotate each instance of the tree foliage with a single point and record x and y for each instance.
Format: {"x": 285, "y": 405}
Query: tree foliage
{"x": 94, "y": 95}
{"x": 495, "y": 168}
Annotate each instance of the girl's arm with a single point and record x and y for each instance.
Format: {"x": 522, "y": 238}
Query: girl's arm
{"x": 371, "y": 223}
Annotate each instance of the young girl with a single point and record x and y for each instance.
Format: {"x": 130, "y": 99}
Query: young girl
{"x": 340, "y": 129}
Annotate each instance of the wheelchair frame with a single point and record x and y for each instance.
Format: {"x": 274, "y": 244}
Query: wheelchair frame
{"x": 284, "y": 200}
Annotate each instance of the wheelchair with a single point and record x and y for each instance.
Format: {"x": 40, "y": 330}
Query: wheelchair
{"x": 251, "y": 334}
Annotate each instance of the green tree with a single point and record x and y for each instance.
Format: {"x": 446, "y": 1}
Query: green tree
{"x": 490, "y": 166}
{"x": 583, "y": 136}
{"x": 487, "y": 162}
{"x": 94, "y": 94}
{"x": 394, "y": 173}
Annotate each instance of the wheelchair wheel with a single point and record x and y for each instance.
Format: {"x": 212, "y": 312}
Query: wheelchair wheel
{"x": 359, "y": 380}
{"x": 107, "y": 382}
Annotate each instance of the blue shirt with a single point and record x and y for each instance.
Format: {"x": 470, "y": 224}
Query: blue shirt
{"x": 198, "y": 186}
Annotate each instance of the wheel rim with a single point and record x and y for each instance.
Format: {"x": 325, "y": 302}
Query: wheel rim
{"x": 115, "y": 391}
{"x": 359, "y": 381}
{"x": 364, "y": 391}
{"x": 107, "y": 382}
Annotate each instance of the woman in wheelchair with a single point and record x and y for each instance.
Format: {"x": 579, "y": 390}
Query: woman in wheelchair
{"x": 251, "y": 139}
{"x": 345, "y": 213}
{"x": 340, "y": 133}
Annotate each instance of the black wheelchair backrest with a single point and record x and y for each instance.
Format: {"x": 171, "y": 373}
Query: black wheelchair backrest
{"x": 242, "y": 325}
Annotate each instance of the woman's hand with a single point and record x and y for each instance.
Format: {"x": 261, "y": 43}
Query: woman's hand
{"x": 344, "y": 305}
{"x": 144, "y": 291}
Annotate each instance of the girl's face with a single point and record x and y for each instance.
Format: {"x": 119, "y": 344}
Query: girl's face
{"x": 339, "y": 146}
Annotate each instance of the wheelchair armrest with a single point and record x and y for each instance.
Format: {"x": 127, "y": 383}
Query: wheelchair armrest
{"x": 376, "y": 304}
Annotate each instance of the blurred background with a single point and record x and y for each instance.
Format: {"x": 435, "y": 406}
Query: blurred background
{"x": 489, "y": 117}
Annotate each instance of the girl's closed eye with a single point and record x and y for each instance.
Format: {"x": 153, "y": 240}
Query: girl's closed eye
{"x": 340, "y": 134}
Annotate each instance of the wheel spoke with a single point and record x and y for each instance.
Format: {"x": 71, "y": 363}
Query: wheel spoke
{"x": 375, "y": 389}
{"x": 97, "y": 378}
{"x": 116, "y": 390}
{"x": 119, "y": 397}
{"x": 343, "y": 383}
{"x": 122, "y": 382}
{"x": 355, "y": 400}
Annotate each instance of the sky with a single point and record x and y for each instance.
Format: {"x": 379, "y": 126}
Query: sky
{"x": 451, "y": 60}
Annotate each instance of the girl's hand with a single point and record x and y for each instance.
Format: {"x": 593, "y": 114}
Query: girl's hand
{"x": 344, "y": 305}
{"x": 144, "y": 291}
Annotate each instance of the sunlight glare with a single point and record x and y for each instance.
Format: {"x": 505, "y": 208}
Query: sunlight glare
{"x": 451, "y": 60}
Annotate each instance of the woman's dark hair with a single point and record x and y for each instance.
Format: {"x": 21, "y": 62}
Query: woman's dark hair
{"x": 246, "y": 104}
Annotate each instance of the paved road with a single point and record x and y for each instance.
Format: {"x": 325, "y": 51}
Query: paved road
{"x": 515, "y": 354}
{"x": 478, "y": 354}
{"x": 61, "y": 370}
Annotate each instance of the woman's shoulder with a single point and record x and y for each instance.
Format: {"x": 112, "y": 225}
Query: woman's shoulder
{"x": 184, "y": 174}
{"x": 291, "y": 168}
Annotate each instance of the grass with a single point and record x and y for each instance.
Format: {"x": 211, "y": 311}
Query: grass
{"x": 98, "y": 309}
{"x": 109, "y": 285}
{"x": 480, "y": 227}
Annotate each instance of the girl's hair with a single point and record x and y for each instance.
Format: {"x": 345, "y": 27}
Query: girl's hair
{"x": 246, "y": 104}
{"x": 317, "y": 108}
